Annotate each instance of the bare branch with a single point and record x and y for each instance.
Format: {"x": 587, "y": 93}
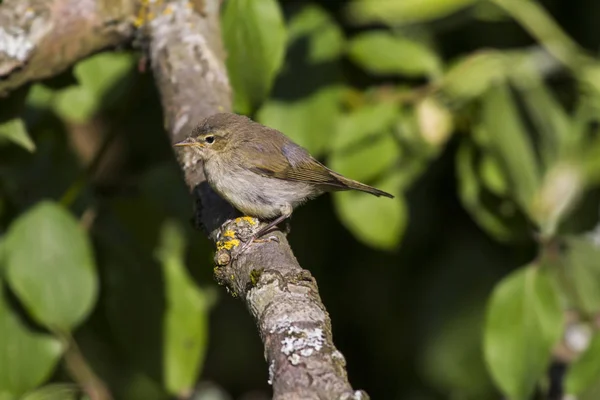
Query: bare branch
{"x": 41, "y": 38}
{"x": 187, "y": 60}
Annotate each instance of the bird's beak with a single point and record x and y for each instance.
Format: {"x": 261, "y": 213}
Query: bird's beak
{"x": 189, "y": 142}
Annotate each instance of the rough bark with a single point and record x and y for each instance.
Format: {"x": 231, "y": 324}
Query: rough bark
{"x": 41, "y": 38}
{"x": 183, "y": 42}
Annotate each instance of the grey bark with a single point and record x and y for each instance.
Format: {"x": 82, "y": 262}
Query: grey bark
{"x": 183, "y": 42}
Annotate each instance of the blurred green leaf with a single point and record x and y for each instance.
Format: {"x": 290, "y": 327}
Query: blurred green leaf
{"x": 101, "y": 73}
{"x": 511, "y": 144}
{"x": 96, "y": 75}
{"x": 499, "y": 218}
{"x": 492, "y": 175}
{"x": 558, "y": 193}
{"x": 582, "y": 263}
{"x": 585, "y": 371}
{"x": 185, "y": 325}
{"x": 50, "y": 266}
{"x": 359, "y": 125}
{"x": 309, "y": 121}
{"x": 255, "y": 36}
{"x": 26, "y": 358}
{"x": 325, "y": 37}
{"x": 76, "y": 104}
{"x": 472, "y": 76}
{"x": 377, "y": 221}
{"x": 14, "y": 131}
{"x": 524, "y": 321}
{"x": 364, "y": 147}
{"x": 384, "y": 53}
{"x": 550, "y": 118}
{"x": 56, "y": 391}
{"x": 40, "y": 96}
{"x": 395, "y": 12}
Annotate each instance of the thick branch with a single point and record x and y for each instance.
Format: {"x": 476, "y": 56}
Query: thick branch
{"x": 41, "y": 38}
{"x": 187, "y": 60}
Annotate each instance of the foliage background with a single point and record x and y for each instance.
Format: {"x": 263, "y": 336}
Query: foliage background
{"x": 480, "y": 115}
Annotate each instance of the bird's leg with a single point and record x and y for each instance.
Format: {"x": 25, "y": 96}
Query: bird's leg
{"x": 286, "y": 213}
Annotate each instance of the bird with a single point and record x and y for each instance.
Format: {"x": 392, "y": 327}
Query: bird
{"x": 260, "y": 171}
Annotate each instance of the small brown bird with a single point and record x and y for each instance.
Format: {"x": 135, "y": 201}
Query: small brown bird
{"x": 260, "y": 171}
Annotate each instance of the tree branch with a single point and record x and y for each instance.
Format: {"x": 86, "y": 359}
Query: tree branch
{"x": 40, "y": 38}
{"x": 187, "y": 60}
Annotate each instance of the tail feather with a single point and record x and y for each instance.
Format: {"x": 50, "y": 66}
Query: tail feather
{"x": 355, "y": 185}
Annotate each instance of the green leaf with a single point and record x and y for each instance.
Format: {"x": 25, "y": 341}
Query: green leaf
{"x": 524, "y": 321}
{"x": 325, "y": 38}
{"x": 511, "y": 144}
{"x": 97, "y": 77}
{"x": 362, "y": 123}
{"x": 50, "y": 266}
{"x": 554, "y": 127}
{"x": 376, "y": 221}
{"x": 185, "y": 325}
{"x": 384, "y": 53}
{"x": 472, "y": 76}
{"x": 582, "y": 263}
{"x": 76, "y": 104}
{"x": 56, "y": 391}
{"x": 403, "y": 11}
{"x": 585, "y": 371}
{"x": 254, "y": 35}
{"x": 497, "y": 215}
{"x": 364, "y": 147}
{"x": 309, "y": 121}
{"x": 26, "y": 358}
{"x": 14, "y": 131}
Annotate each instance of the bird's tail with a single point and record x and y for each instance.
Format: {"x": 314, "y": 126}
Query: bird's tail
{"x": 355, "y": 185}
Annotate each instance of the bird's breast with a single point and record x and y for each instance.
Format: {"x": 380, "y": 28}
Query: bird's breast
{"x": 253, "y": 194}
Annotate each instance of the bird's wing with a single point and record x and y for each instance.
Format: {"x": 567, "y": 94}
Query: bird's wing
{"x": 291, "y": 163}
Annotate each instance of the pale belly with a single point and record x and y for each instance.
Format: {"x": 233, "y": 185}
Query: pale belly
{"x": 256, "y": 195}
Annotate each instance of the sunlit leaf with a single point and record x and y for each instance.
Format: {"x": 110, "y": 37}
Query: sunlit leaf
{"x": 434, "y": 120}
{"x": 254, "y": 35}
{"x": 50, "y": 266}
{"x": 585, "y": 371}
{"x": 524, "y": 321}
{"x": 185, "y": 324}
{"x": 26, "y": 358}
{"x": 76, "y": 104}
{"x": 559, "y": 191}
{"x": 56, "y": 391}
{"x": 381, "y": 52}
{"x": 511, "y": 144}
{"x": 14, "y": 131}
{"x": 376, "y": 221}
{"x": 404, "y": 11}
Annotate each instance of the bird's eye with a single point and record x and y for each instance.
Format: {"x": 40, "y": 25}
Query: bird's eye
{"x": 209, "y": 139}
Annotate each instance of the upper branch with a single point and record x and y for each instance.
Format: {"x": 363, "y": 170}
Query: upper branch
{"x": 41, "y": 38}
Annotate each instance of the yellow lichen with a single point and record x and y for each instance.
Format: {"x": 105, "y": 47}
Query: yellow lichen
{"x": 168, "y": 11}
{"x": 249, "y": 220}
{"x": 229, "y": 233}
{"x": 227, "y": 244}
